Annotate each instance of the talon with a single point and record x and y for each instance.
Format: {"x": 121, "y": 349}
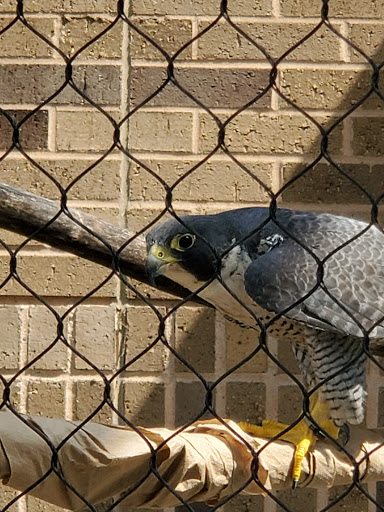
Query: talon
{"x": 302, "y": 435}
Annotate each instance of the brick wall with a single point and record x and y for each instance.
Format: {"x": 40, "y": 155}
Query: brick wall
{"x": 169, "y": 135}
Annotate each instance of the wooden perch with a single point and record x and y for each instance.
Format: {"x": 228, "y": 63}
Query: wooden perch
{"x": 206, "y": 462}
{"x": 27, "y": 214}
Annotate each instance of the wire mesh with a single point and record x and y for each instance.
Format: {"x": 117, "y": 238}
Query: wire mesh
{"x": 175, "y": 81}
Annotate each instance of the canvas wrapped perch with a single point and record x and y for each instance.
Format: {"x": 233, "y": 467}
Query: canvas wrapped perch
{"x": 206, "y": 462}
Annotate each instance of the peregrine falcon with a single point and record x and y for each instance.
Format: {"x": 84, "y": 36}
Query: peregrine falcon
{"x": 315, "y": 279}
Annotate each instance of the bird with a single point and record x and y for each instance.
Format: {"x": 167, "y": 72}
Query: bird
{"x": 313, "y": 279}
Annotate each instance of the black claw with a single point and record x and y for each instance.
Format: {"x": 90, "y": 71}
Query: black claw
{"x": 295, "y": 483}
{"x": 344, "y": 434}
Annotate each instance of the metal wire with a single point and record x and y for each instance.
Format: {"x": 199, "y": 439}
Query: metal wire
{"x": 221, "y": 146}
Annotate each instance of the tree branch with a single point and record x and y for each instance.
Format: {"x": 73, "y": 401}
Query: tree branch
{"x": 31, "y": 215}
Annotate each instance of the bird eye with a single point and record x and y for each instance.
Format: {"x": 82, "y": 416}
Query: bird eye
{"x": 183, "y": 242}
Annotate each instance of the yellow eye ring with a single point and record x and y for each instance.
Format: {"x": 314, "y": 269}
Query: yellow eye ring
{"x": 183, "y": 242}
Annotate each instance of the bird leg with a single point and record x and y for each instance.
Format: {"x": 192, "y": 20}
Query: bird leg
{"x": 302, "y": 435}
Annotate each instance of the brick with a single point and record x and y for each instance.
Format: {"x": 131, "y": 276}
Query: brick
{"x": 290, "y": 404}
{"x": 190, "y": 402}
{"x": 101, "y": 183}
{"x": 33, "y": 134}
{"x": 380, "y": 418}
{"x": 246, "y": 401}
{"x": 87, "y": 397}
{"x": 294, "y": 502}
{"x": 143, "y": 403}
{"x": 10, "y": 337}
{"x": 244, "y": 503}
{"x": 160, "y": 131}
{"x": 6, "y": 495}
{"x": 286, "y": 357}
{"x": 195, "y": 338}
{"x": 94, "y": 131}
{"x": 94, "y": 333}
{"x": 214, "y": 88}
{"x": 140, "y": 330}
{"x": 201, "y": 185}
{"x": 76, "y": 32}
{"x": 369, "y": 38}
{"x": 20, "y": 41}
{"x": 46, "y": 399}
{"x": 36, "y": 505}
{"x": 201, "y": 7}
{"x": 268, "y": 133}
{"x": 23, "y": 83}
{"x": 328, "y": 89}
{"x": 224, "y": 42}
{"x": 368, "y": 136}
{"x": 70, "y": 6}
{"x": 325, "y": 184}
{"x": 354, "y": 501}
{"x": 240, "y": 343}
{"x": 41, "y": 333}
{"x": 169, "y": 34}
{"x": 57, "y": 276}
{"x": 337, "y": 8}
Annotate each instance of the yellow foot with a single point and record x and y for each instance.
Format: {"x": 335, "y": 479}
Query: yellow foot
{"x": 301, "y": 435}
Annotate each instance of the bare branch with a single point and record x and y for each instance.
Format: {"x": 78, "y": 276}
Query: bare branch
{"x": 31, "y": 215}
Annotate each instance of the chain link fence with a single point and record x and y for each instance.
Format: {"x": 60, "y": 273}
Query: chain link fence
{"x": 312, "y": 176}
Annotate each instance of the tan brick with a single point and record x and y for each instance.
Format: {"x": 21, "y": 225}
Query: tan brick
{"x": 140, "y": 330}
{"x": 195, "y": 338}
{"x": 355, "y": 501}
{"x": 338, "y": 8}
{"x": 380, "y": 418}
{"x": 42, "y": 332}
{"x": 214, "y": 88}
{"x": 169, "y": 34}
{"x": 10, "y": 337}
{"x": 328, "y": 89}
{"x": 23, "y": 83}
{"x": 46, "y": 399}
{"x": 87, "y": 397}
{"x": 94, "y": 332}
{"x": 201, "y": 185}
{"x": 76, "y": 32}
{"x": 33, "y": 134}
{"x": 53, "y": 275}
{"x": 70, "y": 6}
{"x": 160, "y": 131}
{"x": 325, "y": 184}
{"x": 20, "y": 41}
{"x": 101, "y": 183}
{"x": 94, "y": 132}
{"x": 244, "y": 503}
{"x": 36, "y": 505}
{"x": 369, "y": 38}
{"x": 143, "y": 403}
{"x": 297, "y": 503}
{"x": 368, "y": 136}
{"x": 290, "y": 404}
{"x": 268, "y": 133}
{"x": 190, "y": 402}
{"x": 224, "y": 42}
{"x": 286, "y": 357}
{"x": 200, "y": 7}
{"x": 6, "y": 495}
{"x": 245, "y": 401}
{"x": 240, "y": 344}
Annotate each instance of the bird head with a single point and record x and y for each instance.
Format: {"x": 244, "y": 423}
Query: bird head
{"x": 184, "y": 252}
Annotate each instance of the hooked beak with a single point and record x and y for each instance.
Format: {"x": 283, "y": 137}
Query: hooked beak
{"x": 157, "y": 260}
